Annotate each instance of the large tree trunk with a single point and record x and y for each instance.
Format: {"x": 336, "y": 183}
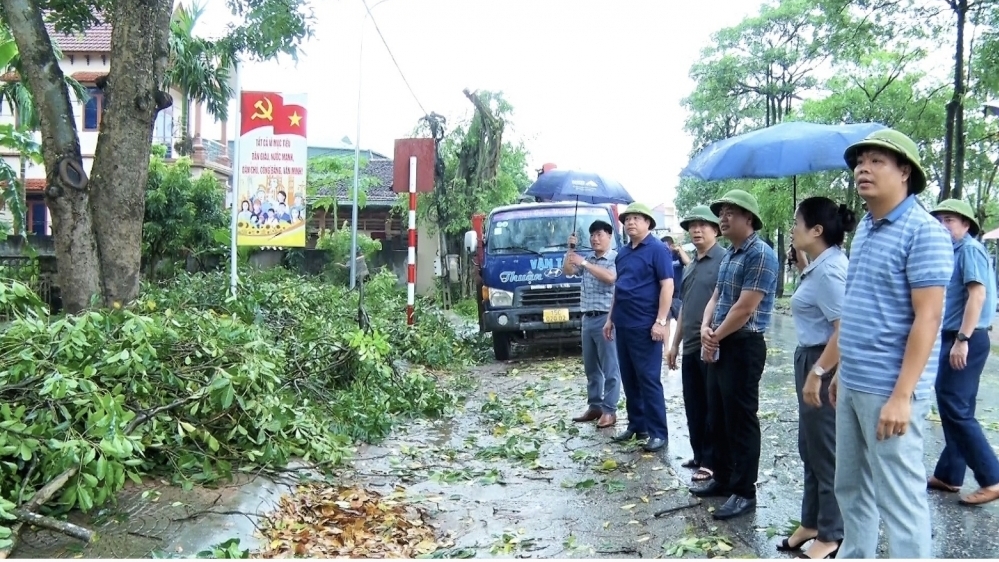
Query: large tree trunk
{"x": 955, "y": 109}
{"x": 139, "y": 54}
{"x": 959, "y": 92}
{"x": 67, "y": 195}
{"x": 97, "y": 224}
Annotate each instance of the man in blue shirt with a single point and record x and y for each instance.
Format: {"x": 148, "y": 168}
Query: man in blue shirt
{"x": 639, "y": 323}
{"x": 733, "y": 346}
{"x": 680, "y": 260}
{"x": 968, "y": 313}
{"x": 901, "y": 262}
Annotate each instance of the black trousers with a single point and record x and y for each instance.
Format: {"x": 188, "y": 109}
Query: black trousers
{"x": 694, "y": 373}
{"x": 733, "y": 408}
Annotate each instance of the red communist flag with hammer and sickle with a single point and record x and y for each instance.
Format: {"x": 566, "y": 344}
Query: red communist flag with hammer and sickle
{"x": 268, "y": 109}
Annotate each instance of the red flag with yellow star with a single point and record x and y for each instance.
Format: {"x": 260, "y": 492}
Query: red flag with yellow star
{"x": 268, "y": 109}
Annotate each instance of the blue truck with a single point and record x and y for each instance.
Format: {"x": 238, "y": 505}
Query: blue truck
{"x": 524, "y": 295}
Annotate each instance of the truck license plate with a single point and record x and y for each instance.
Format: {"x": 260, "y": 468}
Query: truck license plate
{"x": 555, "y": 315}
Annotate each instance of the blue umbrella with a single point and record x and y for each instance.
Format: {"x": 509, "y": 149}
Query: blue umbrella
{"x": 570, "y": 185}
{"x": 788, "y": 149}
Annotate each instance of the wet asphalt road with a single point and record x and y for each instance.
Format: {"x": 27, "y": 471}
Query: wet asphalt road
{"x": 511, "y": 476}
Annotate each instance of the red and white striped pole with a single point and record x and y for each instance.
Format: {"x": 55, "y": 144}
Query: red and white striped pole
{"x": 411, "y": 274}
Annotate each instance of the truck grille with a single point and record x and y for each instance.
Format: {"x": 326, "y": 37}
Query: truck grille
{"x": 562, "y": 297}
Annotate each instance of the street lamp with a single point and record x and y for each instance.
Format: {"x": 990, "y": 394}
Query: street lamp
{"x": 357, "y": 149}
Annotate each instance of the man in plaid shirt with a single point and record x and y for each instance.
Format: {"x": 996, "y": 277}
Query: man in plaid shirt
{"x": 732, "y": 345}
{"x": 603, "y": 376}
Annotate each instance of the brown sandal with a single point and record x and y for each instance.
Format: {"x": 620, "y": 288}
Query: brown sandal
{"x": 980, "y": 496}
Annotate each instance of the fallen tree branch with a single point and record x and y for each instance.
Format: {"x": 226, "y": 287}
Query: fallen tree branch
{"x": 43, "y": 495}
{"x": 669, "y": 510}
{"x": 20, "y": 385}
{"x": 146, "y": 416}
{"x": 64, "y": 527}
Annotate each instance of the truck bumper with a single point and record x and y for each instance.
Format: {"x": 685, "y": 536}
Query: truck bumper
{"x": 531, "y": 321}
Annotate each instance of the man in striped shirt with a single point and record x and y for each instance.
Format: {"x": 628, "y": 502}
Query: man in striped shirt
{"x": 900, "y": 264}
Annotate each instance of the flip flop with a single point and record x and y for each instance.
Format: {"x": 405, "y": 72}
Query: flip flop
{"x": 702, "y": 475}
{"x": 691, "y": 464}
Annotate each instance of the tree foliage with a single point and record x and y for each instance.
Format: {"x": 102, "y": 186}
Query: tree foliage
{"x": 97, "y": 215}
{"x": 199, "y": 68}
{"x": 847, "y": 61}
{"x": 182, "y": 213}
{"x": 479, "y": 170}
{"x": 478, "y": 176}
{"x": 23, "y": 143}
{"x": 327, "y": 174}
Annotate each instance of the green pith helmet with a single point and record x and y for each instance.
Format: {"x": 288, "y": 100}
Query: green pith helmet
{"x": 960, "y": 208}
{"x": 743, "y": 200}
{"x": 637, "y": 208}
{"x": 898, "y": 143}
{"x": 699, "y": 213}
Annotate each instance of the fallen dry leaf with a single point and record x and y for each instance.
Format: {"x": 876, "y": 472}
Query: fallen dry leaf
{"x": 322, "y": 521}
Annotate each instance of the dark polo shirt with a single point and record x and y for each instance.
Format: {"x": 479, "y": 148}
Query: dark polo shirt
{"x": 636, "y": 291}
{"x": 699, "y": 280}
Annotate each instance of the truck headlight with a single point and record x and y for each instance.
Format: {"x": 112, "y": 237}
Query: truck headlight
{"x": 499, "y": 297}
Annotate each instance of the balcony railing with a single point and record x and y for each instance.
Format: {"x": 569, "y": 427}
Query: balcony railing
{"x": 212, "y": 151}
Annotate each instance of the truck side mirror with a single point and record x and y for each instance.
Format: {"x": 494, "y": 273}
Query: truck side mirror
{"x": 471, "y": 241}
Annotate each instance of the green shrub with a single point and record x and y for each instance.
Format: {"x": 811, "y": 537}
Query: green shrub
{"x": 337, "y": 243}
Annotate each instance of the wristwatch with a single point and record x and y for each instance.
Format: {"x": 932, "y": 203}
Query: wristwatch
{"x": 962, "y": 338}
{"x": 818, "y": 371}
{"x": 663, "y": 321}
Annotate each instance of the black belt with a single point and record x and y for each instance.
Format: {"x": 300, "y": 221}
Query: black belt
{"x": 953, "y": 333}
{"x": 592, "y": 313}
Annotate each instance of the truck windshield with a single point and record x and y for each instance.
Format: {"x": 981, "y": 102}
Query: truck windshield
{"x": 541, "y": 230}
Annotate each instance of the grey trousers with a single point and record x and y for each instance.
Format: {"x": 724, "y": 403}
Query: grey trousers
{"x": 881, "y": 479}
{"x": 603, "y": 374}
{"x": 817, "y": 448}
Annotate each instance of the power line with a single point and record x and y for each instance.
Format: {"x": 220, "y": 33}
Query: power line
{"x": 392, "y": 56}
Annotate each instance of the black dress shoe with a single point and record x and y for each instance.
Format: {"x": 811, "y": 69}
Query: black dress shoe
{"x": 655, "y": 444}
{"x": 628, "y": 435}
{"x": 711, "y": 489}
{"x": 734, "y": 507}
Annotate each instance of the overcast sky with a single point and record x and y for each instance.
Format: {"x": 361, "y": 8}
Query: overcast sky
{"x": 595, "y": 85}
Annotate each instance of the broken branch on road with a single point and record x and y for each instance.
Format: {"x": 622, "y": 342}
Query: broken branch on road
{"x": 26, "y": 514}
{"x": 674, "y": 509}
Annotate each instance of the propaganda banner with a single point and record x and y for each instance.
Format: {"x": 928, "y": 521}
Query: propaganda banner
{"x": 273, "y": 156}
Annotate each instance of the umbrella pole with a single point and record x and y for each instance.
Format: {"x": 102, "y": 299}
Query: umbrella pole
{"x": 794, "y": 193}
{"x": 575, "y": 211}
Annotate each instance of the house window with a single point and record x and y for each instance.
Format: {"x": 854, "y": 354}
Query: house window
{"x": 36, "y": 218}
{"x": 92, "y": 110}
{"x": 163, "y": 127}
